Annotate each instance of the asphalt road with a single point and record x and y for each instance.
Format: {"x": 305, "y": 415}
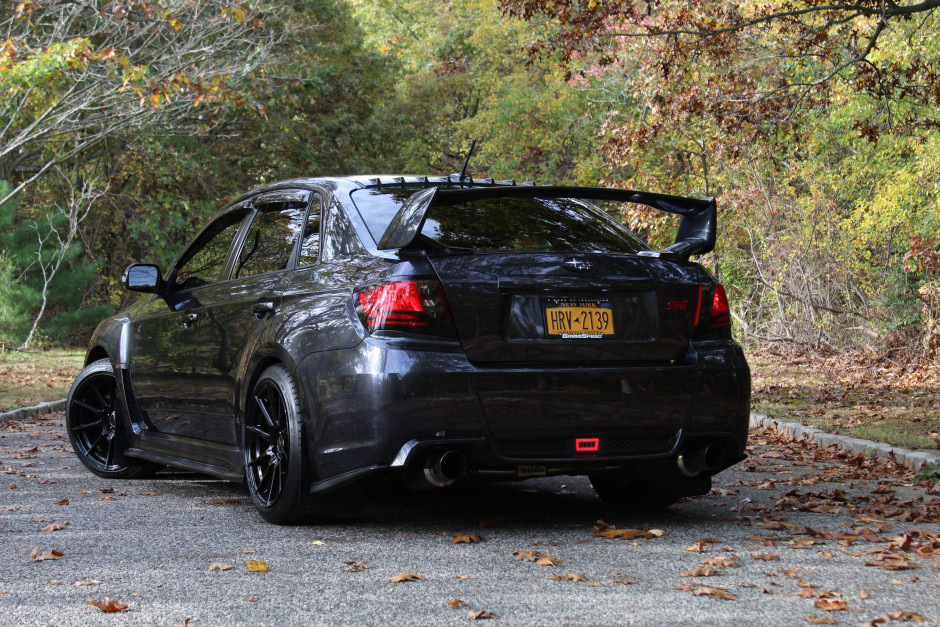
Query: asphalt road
{"x": 149, "y": 544}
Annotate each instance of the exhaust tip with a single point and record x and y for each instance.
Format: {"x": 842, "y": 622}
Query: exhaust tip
{"x": 706, "y": 458}
{"x": 443, "y": 469}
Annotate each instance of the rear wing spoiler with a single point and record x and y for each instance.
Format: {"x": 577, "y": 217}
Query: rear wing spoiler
{"x": 696, "y": 234}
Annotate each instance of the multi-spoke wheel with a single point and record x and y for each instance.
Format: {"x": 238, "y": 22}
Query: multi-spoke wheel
{"x": 276, "y": 467}
{"x": 92, "y": 421}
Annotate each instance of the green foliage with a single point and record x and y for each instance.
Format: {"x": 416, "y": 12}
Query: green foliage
{"x": 929, "y": 473}
{"x": 14, "y": 312}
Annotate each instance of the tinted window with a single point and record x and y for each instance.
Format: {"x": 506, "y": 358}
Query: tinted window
{"x": 203, "y": 262}
{"x": 506, "y": 224}
{"x": 310, "y": 245}
{"x": 378, "y": 206}
{"x": 528, "y": 225}
{"x": 271, "y": 238}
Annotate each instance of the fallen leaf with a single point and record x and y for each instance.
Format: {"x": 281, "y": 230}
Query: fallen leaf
{"x": 701, "y": 571}
{"x": 722, "y": 561}
{"x": 53, "y": 527}
{"x": 698, "y": 547}
{"x": 863, "y": 595}
{"x": 318, "y": 543}
{"x": 624, "y": 580}
{"x": 258, "y": 566}
{"x": 549, "y": 561}
{"x": 93, "y": 582}
{"x": 480, "y": 614}
{"x": 461, "y": 577}
{"x": 406, "y": 577}
{"x": 575, "y": 577}
{"x": 901, "y": 615}
{"x": 767, "y": 557}
{"x": 355, "y": 567}
{"x": 628, "y": 534}
{"x": 220, "y": 566}
{"x": 456, "y": 604}
{"x": 819, "y": 620}
{"x": 831, "y": 605}
{"x": 62, "y": 502}
{"x": 602, "y": 526}
{"x": 53, "y": 554}
{"x": 466, "y": 538}
{"x": 109, "y": 605}
{"x": 709, "y": 591}
{"x": 529, "y": 555}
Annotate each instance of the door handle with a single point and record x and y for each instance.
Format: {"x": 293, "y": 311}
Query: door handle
{"x": 259, "y": 309}
{"x": 189, "y": 319}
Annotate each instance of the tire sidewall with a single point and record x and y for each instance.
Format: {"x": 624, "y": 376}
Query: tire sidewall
{"x": 292, "y": 503}
{"x": 99, "y": 368}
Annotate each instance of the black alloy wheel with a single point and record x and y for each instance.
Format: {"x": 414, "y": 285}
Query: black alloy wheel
{"x": 93, "y": 423}
{"x": 276, "y": 468}
{"x": 267, "y": 439}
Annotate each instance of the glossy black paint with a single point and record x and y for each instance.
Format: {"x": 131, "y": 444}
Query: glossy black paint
{"x": 187, "y": 354}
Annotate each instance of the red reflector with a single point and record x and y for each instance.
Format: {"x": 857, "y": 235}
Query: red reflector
{"x": 698, "y": 306}
{"x": 587, "y": 444}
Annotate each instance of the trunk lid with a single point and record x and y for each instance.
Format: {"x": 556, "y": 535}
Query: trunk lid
{"x": 563, "y": 307}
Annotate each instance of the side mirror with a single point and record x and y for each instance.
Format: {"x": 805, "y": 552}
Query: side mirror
{"x": 142, "y": 277}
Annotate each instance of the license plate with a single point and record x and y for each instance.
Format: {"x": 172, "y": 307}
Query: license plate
{"x": 578, "y": 318}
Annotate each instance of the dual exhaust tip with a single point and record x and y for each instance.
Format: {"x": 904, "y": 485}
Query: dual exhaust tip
{"x": 445, "y": 467}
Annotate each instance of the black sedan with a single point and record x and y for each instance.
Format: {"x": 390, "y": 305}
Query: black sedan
{"x": 321, "y": 332}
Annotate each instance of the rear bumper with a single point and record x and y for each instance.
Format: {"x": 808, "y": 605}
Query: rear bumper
{"x": 365, "y": 405}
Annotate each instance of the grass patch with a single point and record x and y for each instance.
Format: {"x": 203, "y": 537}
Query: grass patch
{"x": 31, "y": 377}
{"x": 851, "y": 395}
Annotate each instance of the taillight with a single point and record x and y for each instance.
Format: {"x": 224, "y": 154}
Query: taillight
{"x": 410, "y": 306}
{"x": 712, "y": 315}
{"x": 721, "y": 314}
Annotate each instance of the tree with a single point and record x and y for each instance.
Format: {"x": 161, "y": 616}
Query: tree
{"x": 73, "y": 74}
{"x": 753, "y": 67}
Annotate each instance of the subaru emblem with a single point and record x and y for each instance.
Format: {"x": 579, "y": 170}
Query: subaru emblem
{"x": 578, "y": 265}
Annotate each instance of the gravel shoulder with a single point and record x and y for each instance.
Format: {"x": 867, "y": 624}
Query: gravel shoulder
{"x": 808, "y": 528}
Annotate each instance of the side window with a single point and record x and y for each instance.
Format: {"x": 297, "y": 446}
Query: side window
{"x": 310, "y": 245}
{"x": 203, "y": 262}
{"x": 271, "y": 238}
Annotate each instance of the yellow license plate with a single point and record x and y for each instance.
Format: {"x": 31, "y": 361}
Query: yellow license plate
{"x": 578, "y": 318}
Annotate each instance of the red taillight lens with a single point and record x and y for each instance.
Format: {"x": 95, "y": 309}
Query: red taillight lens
{"x": 714, "y": 317}
{"x": 721, "y": 314}
{"x": 411, "y": 306}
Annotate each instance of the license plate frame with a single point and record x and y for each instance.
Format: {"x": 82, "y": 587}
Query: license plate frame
{"x": 578, "y": 318}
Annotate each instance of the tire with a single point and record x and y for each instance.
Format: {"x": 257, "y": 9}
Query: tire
{"x": 276, "y": 467}
{"x": 626, "y": 492}
{"x": 93, "y": 422}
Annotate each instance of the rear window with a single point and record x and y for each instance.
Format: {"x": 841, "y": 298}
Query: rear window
{"x": 507, "y": 224}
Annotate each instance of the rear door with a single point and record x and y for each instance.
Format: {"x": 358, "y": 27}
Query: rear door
{"x": 282, "y": 235}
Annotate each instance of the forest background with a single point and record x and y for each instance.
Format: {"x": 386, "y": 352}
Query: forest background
{"x": 125, "y": 124}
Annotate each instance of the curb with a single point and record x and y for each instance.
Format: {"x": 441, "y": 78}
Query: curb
{"x": 796, "y": 431}
{"x": 35, "y": 410}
